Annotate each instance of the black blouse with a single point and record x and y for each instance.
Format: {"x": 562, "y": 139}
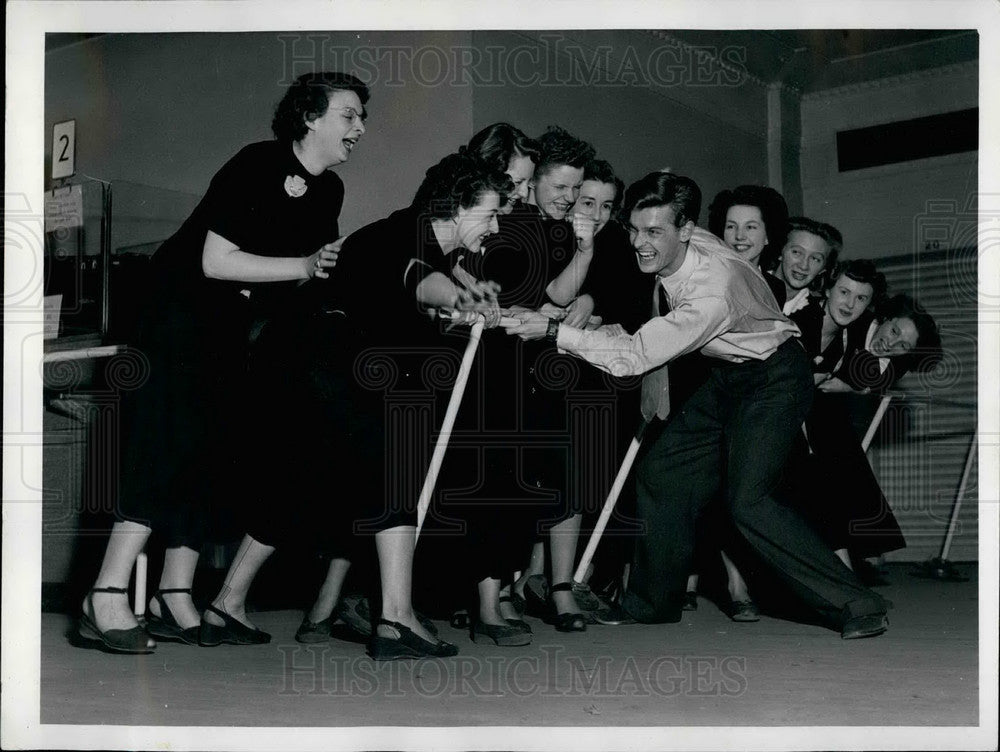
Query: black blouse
{"x": 526, "y": 254}
{"x": 264, "y": 201}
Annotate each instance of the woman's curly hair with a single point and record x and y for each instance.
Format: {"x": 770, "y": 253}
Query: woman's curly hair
{"x": 861, "y": 270}
{"x": 308, "y": 98}
{"x": 928, "y": 353}
{"x": 497, "y": 144}
{"x": 558, "y": 147}
{"x": 457, "y": 182}
{"x": 601, "y": 171}
{"x": 773, "y": 210}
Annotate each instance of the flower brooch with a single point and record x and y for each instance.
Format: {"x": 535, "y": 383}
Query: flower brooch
{"x": 295, "y": 186}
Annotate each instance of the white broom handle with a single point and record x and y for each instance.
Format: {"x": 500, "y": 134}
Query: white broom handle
{"x": 876, "y": 419}
{"x": 609, "y": 504}
{"x": 449, "y": 421}
{"x": 140, "y": 583}
{"x": 505, "y": 321}
{"x": 953, "y": 522}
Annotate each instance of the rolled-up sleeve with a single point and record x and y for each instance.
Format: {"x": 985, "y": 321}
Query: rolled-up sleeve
{"x": 685, "y": 329}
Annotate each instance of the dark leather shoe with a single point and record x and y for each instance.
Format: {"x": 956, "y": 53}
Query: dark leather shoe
{"x": 232, "y": 632}
{"x": 134, "y": 640}
{"x": 870, "y": 625}
{"x": 567, "y": 621}
{"x": 690, "y": 601}
{"x": 744, "y": 611}
{"x": 407, "y": 644}
{"x": 165, "y": 626}
{"x": 310, "y": 633}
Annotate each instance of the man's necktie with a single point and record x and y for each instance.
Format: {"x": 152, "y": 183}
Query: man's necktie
{"x": 655, "y": 400}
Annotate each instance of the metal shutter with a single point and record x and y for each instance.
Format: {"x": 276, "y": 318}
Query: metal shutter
{"x": 920, "y": 451}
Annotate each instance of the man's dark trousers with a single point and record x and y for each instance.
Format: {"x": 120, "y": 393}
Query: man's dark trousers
{"x": 732, "y": 436}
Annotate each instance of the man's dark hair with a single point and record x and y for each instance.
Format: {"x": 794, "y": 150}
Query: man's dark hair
{"x": 663, "y": 188}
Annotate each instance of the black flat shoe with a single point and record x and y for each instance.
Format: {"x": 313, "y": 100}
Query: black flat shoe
{"x": 232, "y": 632}
{"x": 744, "y": 611}
{"x": 564, "y": 622}
{"x": 870, "y": 625}
{"x": 407, "y": 645}
{"x": 135, "y": 640}
{"x": 310, "y": 633}
{"x": 690, "y": 601}
{"x": 504, "y": 635}
{"x": 165, "y": 626}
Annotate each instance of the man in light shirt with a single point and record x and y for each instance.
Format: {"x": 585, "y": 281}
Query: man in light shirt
{"x": 733, "y": 434}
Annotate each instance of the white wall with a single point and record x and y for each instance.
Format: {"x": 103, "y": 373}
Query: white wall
{"x": 167, "y": 110}
{"x": 881, "y": 210}
{"x": 648, "y": 104}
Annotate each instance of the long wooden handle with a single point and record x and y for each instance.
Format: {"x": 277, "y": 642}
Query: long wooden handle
{"x": 609, "y": 503}
{"x": 449, "y": 422}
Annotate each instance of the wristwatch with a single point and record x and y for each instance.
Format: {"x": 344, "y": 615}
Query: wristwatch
{"x": 552, "y": 331}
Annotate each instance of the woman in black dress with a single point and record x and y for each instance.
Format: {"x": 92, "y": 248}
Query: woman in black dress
{"x": 830, "y": 479}
{"x": 267, "y": 222}
{"x": 355, "y": 336}
{"x": 540, "y": 261}
{"x": 502, "y": 148}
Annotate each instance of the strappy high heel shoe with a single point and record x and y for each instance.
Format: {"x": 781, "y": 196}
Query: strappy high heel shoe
{"x": 165, "y": 626}
{"x": 407, "y": 644}
{"x": 134, "y": 640}
{"x": 231, "y": 632}
{"x": 564, "y": 622}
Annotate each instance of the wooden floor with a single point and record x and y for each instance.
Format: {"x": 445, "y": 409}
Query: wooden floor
{"x": 704, "y": 671}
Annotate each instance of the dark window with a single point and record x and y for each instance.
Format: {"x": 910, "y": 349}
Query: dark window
{"x": 906, "y": 140}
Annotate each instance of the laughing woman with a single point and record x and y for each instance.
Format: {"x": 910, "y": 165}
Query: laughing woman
{"x": 267, "y": 222}
{"x": 332, "y": 355}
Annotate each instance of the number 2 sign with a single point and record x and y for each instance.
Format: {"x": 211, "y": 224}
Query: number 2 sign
{"x": 63, "y": 149}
